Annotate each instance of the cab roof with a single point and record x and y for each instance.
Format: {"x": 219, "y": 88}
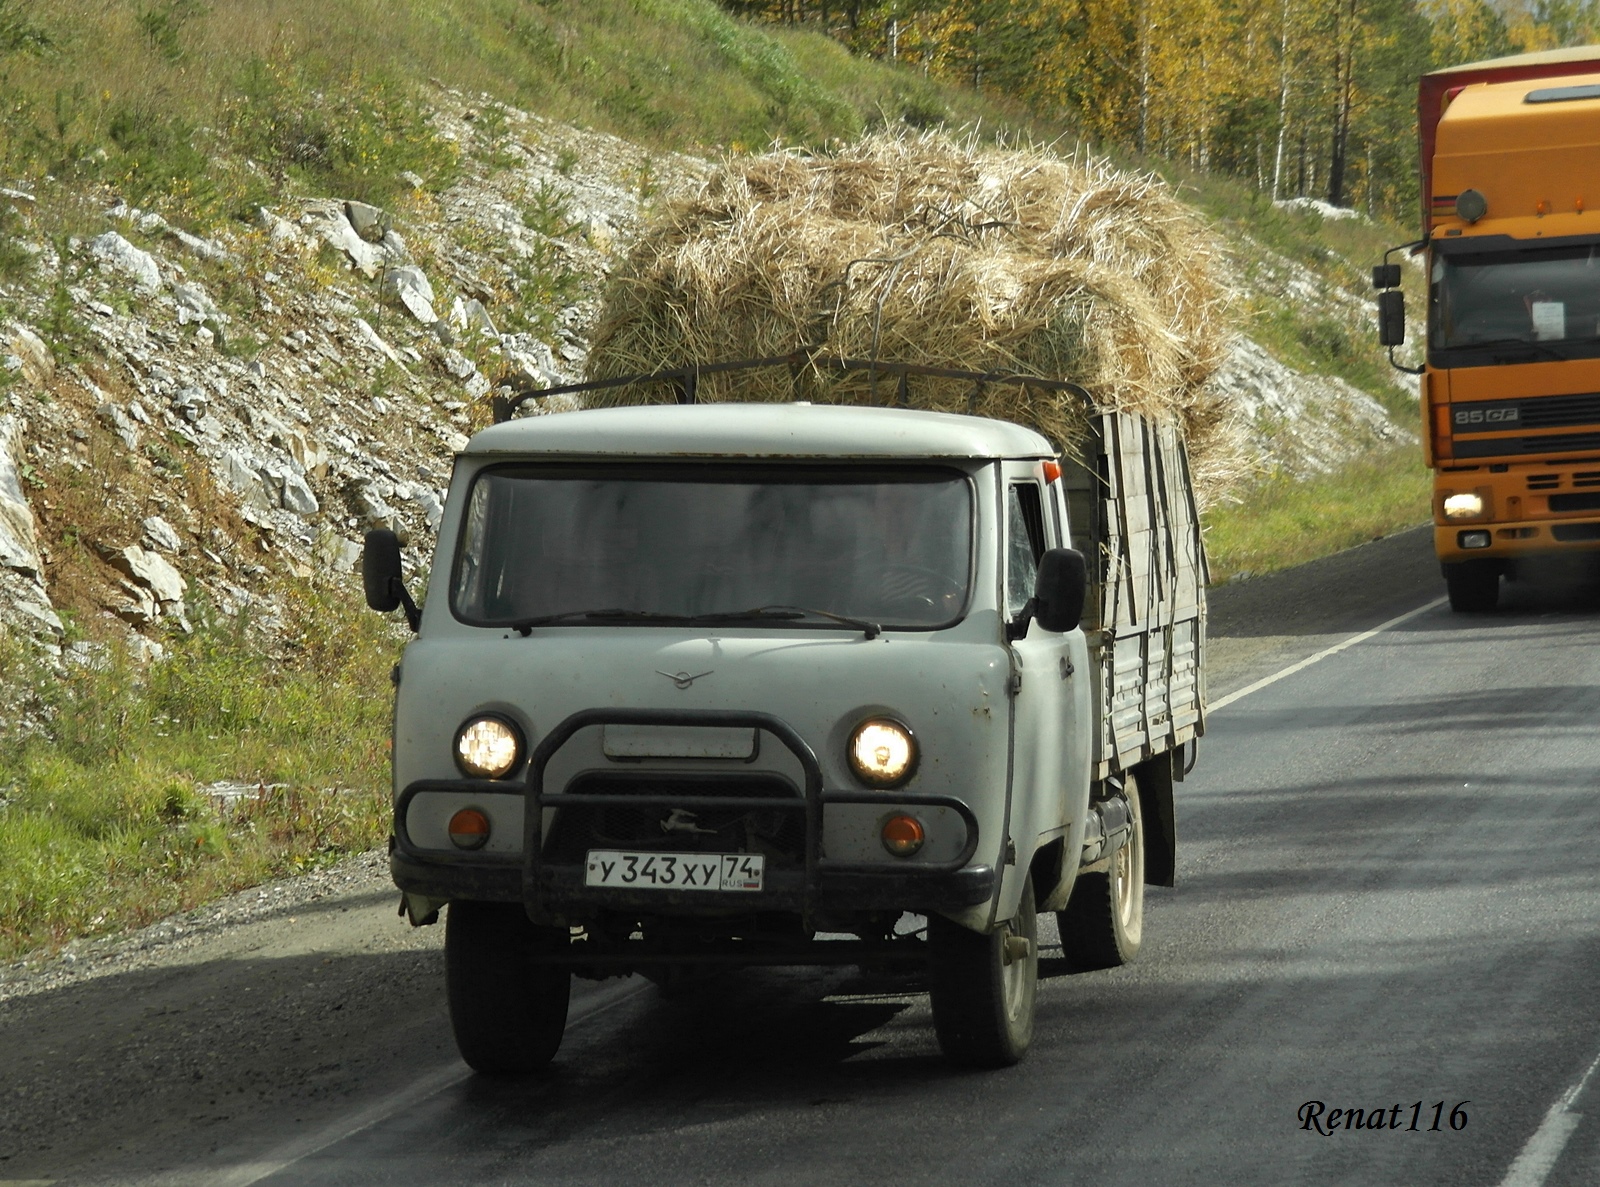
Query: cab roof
{"x": 760, "y": 431}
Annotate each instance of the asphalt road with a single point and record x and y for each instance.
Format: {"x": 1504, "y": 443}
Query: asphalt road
{"x": 1387, "y": 898}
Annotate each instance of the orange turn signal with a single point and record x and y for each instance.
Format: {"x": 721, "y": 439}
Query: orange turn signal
{"x": 903, "y": 835}
{"x": 1052, "y": 471}
{"x": 469, "y": 829}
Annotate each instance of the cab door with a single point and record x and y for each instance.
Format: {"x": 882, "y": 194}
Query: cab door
{"x": 1050, "y": 691}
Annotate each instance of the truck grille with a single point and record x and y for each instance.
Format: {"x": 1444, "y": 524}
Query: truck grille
{"x": 1505, "y": 446}
{"x": 779, "y": 833}
{"x": 1583, "y": 502}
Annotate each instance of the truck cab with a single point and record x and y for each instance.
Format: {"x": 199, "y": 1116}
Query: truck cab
{"x": 1512, "y": 250}
{"x": 718, "y": 685}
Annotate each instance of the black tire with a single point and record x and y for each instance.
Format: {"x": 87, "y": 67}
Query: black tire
{"x": 1474, "y": 586}
{"x": 1103, "y": 922}
{"x": 508, "y": 1005}
{"x": 983, "y": 989}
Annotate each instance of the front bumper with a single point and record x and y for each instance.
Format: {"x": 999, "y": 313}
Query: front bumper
{"x": 1515, "y": 539}
{"x": 823, "y": 888}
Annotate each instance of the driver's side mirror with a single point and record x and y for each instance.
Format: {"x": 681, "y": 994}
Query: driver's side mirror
{"x": 1059, "y": 589}
{"x": 380, "y": 576}
{"x": 1391, "y": 318}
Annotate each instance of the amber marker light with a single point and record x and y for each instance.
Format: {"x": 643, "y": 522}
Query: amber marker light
{"x": 903, "y": 835}
{"x": 488, "y": 748}
{"x": 469, "y": 829}
{"x": 882, "y": 752}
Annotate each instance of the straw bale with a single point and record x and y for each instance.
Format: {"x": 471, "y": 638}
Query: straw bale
{"x": 918, "y": 248}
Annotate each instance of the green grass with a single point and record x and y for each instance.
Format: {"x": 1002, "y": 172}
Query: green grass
{"x": 1285, "y": 522}
{"x": 205, "y": 110}
{"x": 103, "y": 824}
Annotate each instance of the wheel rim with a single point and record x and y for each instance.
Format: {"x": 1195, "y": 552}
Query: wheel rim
{"x": 1127, "y": 872}
{"x": 1123, "y": 866}
{"x": 1014, "y": 974}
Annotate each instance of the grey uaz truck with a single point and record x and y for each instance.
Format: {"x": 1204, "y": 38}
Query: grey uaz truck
{"x": 702, "y": 685}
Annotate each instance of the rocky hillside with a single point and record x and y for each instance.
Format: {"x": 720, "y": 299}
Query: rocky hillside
{"x": 191, "y": 424}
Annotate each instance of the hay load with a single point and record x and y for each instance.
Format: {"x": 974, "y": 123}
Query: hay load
{"x": 920, "y": 249}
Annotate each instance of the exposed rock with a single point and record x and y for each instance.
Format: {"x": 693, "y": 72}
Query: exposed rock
{"x": 244, "y": 480}
{"x": 195, "y": 306}
{"x": 19, "y": 546}
{"x": 395, "y": 248}
{"x": 158, "y": 533}
{"x": 367, "y": 221}
{"x": 338, "y": 554}
{"x": 372, "y": 339}
{"x": 408, "y": 286}
{"x": 297, "y": 496}
{"x": 197, "y": 246}
{"x": 1301, "y": 424}
{"x": 471, "y": 315}
{"x": 280, "y": 231}
{"x": 432, "y": 508}
{"x": 120, "y": 423}
{"x": 328, "y": 222}
{"x": 116, "y": 253}
{"x": 371, "y": 509}
{"x": 37, "y": 363}
{"x": 152, "y": 572}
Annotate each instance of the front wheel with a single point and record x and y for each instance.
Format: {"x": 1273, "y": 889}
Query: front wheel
{"x": 508, "y": 1003}
{"x": 1103, "y": 923}
{"x": 1473, "y": 586}
{"x": 983, "y": 987}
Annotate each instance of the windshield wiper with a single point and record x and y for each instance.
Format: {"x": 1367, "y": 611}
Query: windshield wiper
{"x": 1536, "y": 347}
{"x": 523, "y": 626}
{"x": 871, "y": 629}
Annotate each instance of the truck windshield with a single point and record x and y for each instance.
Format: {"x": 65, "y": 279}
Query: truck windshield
{"x": 662, "y": 543}
{"x": 1515, "y": 305}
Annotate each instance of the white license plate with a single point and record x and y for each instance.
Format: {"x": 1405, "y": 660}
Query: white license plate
{"x": 674, "y": 871}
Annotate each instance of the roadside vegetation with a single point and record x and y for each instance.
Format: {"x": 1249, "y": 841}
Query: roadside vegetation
{"x": 132, "y": 790}
{"x": 204, "y": 110}
{"x": 1282, "y": 522}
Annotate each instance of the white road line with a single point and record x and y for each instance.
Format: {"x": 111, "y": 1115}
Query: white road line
{"x": 1224, "y": 702}
{"x": 1538, "y": 1157}
{"x": 244, "y": 1174}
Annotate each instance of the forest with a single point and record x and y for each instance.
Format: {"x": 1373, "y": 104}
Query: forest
{"x": 1312, "y": 98}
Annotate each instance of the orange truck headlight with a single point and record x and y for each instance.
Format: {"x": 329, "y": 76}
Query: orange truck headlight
{"x": 1465, "y": 504}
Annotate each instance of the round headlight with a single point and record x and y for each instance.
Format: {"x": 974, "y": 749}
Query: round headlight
{"x": 882, "y": 752}
{"x": 488, "y": 748}
{"x": 1471, "y": 205}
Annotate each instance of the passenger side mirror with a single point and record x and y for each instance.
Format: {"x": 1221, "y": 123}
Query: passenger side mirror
{"x": 1060, "y": 588}
{"x": 380, "y": 576}
{"x": 1391, "y": 318}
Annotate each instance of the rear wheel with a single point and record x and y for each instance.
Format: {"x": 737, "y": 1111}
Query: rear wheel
{"x": 1103, "y": 923}
{"x": 508, "y": 1003}
{"x": 983, "y": 987}
{"x": 1474, "y": 586}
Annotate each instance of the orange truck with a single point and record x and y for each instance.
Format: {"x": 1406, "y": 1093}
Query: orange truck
{"x": 1511, "y": 383}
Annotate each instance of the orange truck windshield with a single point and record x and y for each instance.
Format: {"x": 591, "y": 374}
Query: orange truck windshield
{"x": 1515, "y": 304}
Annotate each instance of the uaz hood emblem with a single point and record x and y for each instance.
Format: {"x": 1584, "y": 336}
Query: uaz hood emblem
{"x": 681, "y": 679}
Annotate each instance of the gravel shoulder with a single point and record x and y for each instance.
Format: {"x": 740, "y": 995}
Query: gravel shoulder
{"x": 227, "y": 1031}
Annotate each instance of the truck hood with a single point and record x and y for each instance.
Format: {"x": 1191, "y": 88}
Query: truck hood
{"x": 951, "y": 691}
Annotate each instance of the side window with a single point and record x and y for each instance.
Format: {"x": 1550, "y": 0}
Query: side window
{"x": 1024, "y": 543}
